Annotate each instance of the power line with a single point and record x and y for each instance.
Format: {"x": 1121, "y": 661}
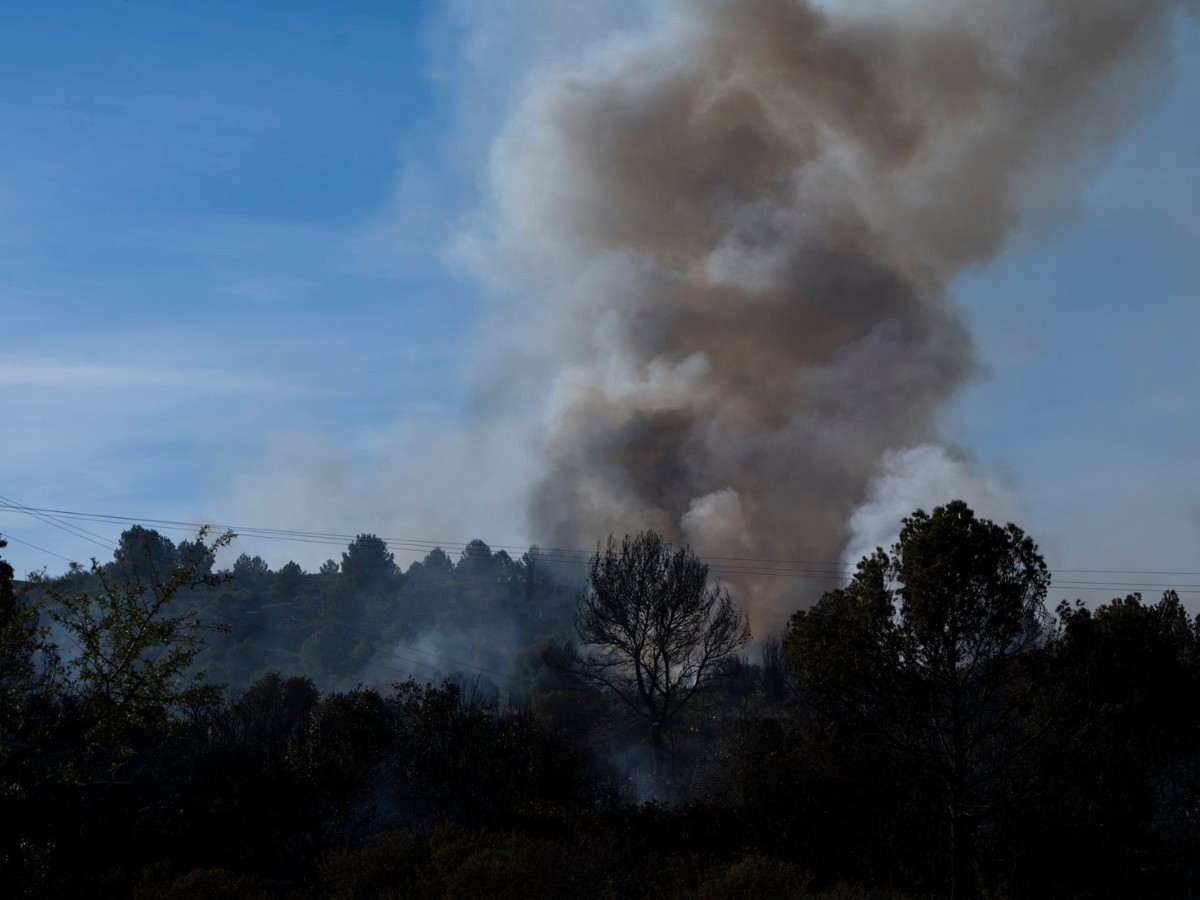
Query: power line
{"x": 381, "y": 646}
{"x": 9, "y": 537}
{"x": 59, "y": 523}
{"x": 1138, "y": 589}
{"x": 786, "y": 568}
{"x": 719, "y": 565}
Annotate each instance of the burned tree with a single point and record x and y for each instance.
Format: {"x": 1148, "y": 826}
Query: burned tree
{"x": 653, "y": 630}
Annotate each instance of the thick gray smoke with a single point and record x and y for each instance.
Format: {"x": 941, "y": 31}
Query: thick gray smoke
{"x": 738, "y": 229}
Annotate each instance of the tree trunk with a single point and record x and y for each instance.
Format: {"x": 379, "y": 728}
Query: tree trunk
{"x": 961, "y": 878}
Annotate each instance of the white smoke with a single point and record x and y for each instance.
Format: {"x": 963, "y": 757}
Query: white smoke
{"x": 921, "y": 477}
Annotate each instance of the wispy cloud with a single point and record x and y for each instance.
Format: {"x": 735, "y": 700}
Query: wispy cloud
{"x": 85, "y": 377}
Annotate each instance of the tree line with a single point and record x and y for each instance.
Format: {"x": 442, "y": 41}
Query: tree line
{"x": 932, "y": 728}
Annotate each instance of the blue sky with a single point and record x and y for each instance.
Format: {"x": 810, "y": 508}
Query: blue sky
{"x": 201, "y": 248}
{"x": 1090, "y": 326}
{"x": 226, "y": 294}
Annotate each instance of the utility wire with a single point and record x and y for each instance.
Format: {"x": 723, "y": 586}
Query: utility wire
{"x": 719, "y": 565}
{"x": 381, "y": 646}
{"x": 74, "y": 530}
{"x": 9, "y": 537}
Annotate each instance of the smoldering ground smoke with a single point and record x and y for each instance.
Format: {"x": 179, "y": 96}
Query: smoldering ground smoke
{"x": 729, "y": 239}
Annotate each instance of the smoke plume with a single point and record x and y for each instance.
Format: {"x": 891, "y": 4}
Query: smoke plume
{"x": 729, "y": 240}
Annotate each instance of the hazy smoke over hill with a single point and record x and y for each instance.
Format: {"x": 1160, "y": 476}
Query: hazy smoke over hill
{"x": 741, "y": 224}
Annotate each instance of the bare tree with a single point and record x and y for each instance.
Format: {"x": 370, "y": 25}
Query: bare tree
{"x": 653, "y": 630}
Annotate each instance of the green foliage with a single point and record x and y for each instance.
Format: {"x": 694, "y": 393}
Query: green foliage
{"x": 157, "y": 883}
{"x": 128, "y": 666}
{"x": 462, "y": 761}
{"x": 516, "y": 868}
{"x": 196, "y": 553}
{"x": 388, "y": 865}
{"x": 437, "y": 565}
{"x": 1123, "y": 784}
{"x": 250, "y": 568}
{"x": 458, "y": 864}
{"x": 288, "y": 581}
{"x": 368, "y": 561}
{"x": 476, "y": 561}
{"x": 454, "y": 863}
{"x": 756, "y": 876}
{"x": 337, "y": 756}
{"x": 263, "y": 718}
{"x": 144, "y": 555}
{"x": 927, "y": 655}
{"x": 928, "y": 717}
{"x": 29, "y": 668}
{"x": 1134, "y": 661}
